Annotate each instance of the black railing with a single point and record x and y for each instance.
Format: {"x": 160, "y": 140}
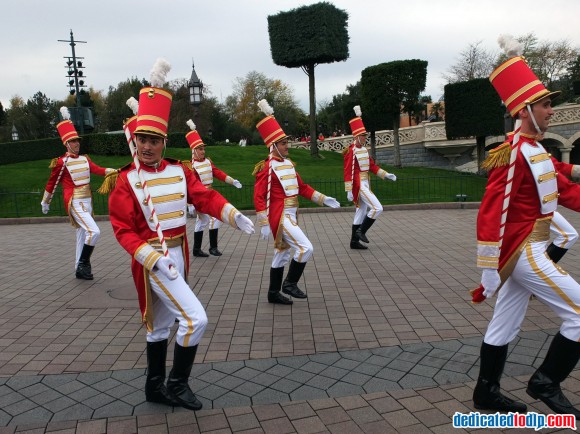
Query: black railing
{"x": 404, "y": 190}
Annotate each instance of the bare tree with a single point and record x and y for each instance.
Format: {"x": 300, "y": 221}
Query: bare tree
{"x": 473, "y": 62}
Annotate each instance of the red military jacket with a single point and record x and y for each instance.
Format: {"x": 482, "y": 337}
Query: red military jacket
{"x": 133, "y": 231}
{"x": 75, "y": 177}
{"x": 352, "y": 178}
{"x": 524, "y": 207}
{"x": 278, "y": 197}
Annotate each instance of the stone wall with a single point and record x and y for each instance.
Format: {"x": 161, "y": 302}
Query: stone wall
{"x": 417, "y": 155}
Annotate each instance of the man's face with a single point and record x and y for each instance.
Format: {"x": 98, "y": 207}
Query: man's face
{"x": 73, "y": 146}
{"x": 199, "y": 152}
{"x": 543, "y": 112}
{"x": 360, "y": 140}
{"x": 282, "y": 147}
{"x": 150, "y": 149}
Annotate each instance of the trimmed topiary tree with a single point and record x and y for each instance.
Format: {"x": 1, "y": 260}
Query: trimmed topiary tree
{"x": 306, "y": 36}
{"x": 473, "y": 108}
{"x": 387, "y": 90}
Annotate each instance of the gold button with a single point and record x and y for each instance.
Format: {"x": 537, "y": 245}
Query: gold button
{"x": 138, "y": 185}
{"x": 181, "y": 213}
{"x": 182, "y": 195}
{"x": 144, "y": 201}
{"x": 532, "y": 159}
{"x": 549, "y": 155}
{"x": 181, "y": 178}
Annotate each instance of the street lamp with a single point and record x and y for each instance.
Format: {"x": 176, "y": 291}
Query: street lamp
{"x": 14, "y": 133}
{"x": 210, "y": 132}
{"x": 195, "y": 88}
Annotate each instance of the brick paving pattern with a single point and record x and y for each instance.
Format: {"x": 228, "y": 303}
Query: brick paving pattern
{"x": 387, "y": 340}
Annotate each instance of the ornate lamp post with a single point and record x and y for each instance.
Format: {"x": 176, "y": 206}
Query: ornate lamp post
{"x": 195, "y": 89}
{"x": 14, "y": 133}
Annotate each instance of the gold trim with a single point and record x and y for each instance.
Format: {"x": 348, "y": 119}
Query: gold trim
{"x": 283, "y": 177}
{"x": 550, "y": 197}
{"x": 364, "y": 176}
{"x": 170, "y": 242}
{"x": 161, "y": 181}
{"x": 167, "y": 198}
{"x": 169, "y": 215}
{"x": 284, "y": 166}
{"x": 539, "y": 158}
{"x": 503, "y": 66}
{"x": 521, "y": 91}
{"x": 82, "y": 192}
{"x": 549, "y": 281}
{"x": 546, "y": 176}
{"x": 291, "y": 187}
{"x": 291, "y": 202}
{"x": 75, "y": 163}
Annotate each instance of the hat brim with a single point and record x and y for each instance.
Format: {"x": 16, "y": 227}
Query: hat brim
{"x": 149, "y": 133}
{"x": 552, "y": 95}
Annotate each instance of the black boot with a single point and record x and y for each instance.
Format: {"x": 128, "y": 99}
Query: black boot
{"x": 545, "y": 383}
{"x": 213, "y": 250}
{"x": 555, "y": 253}
{"x": 290, "y": 285}
{"x": 84, "y": 270}
{"x": 354, "y": 241}
{"x": 486, "y": 395}
{"x": 361, "y": 232}
{"x": 155, "y": 390}
{"x": 178, "y": 381}
{"x": 274, "y": 296}
{"x": 197, "y": 239}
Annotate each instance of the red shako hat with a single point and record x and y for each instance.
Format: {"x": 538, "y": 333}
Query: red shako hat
{"x": 154, "y": 103}
{"x": 269, "y": 128}
{"x": 356, "y": 124}
{"x": 66, "y": 128}
{"x": 193, "y": 138}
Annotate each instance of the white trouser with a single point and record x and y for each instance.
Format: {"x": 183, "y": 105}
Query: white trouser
{"x": 175, "y": 299}
{"x": 294, "y": 236}
{"x": 535, "y": 274}
{"x": 368, "y": 204}
{"x": 564, "y": 233}
{"x": 205, "y": 220}
{"x": 88, "y": 232}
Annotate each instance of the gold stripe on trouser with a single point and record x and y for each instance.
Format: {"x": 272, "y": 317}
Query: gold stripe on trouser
{"x": 300, "y": 249}
{"x": 562, "y": 232}
{"x": 368, "y": 202}
{"x": 174, "y": 301}
{"x": 84, "y": 225}
{"x": 549, "y": 281}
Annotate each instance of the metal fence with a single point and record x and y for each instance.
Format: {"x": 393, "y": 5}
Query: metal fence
{"x": 454, "y": 188}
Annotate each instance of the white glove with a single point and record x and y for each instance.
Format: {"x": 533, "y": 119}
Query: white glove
{"x": 349, "y": 196}
{"x": 490, "y": 281}
{"x": 331, "y": 202}
{"x": 265, "y": 232}
{"x": 166, "y": 266}
{"x": 244, "y": 223}
{"x": 190, "y": 210}
{"x": 391, "y": 176}
{"x": 45, "y": 207}
{"x": 237, "y": 183}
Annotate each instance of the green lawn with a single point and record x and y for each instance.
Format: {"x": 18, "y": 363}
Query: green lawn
{"x": 22, "y": 184}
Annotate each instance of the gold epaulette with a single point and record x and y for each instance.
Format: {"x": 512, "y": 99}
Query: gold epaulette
{"x": 109, "y": 183}
{"x": 187, "y": 163}
{"x": 345, "y": 150}
{"x": 498, "y": 157}
{"x": 258, "y": 167}
{"x": 53, "y": 162}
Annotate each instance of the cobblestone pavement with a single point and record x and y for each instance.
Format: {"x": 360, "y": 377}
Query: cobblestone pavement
{"x": 387, "y": 340}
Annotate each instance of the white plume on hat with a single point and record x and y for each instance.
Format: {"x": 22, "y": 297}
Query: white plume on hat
{"x": 65, "y": 113}
{"x": 159, "y": 72}
{"x": 133, "y": 105}
{"x": 265, "y": 107}
{"x": 510, "y": 45}
{"x": 191, "y": 125}
{"x": 357, "y": 110}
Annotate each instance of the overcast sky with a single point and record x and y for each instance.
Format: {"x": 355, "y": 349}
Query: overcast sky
{"x": 229, "y": 38}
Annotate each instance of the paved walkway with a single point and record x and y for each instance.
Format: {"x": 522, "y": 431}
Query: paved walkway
{"x": 395, "y": 352}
